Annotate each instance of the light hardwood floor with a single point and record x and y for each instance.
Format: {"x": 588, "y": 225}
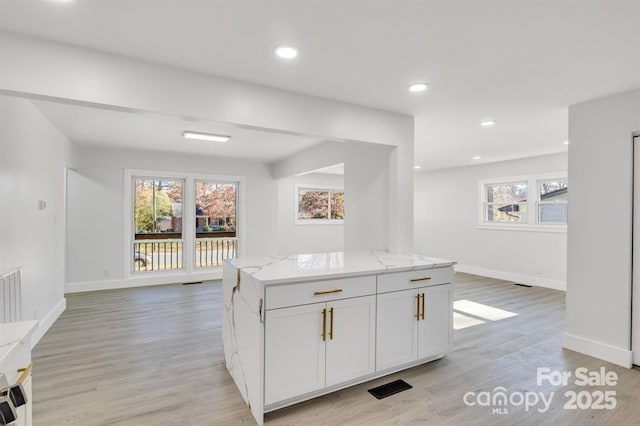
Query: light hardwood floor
{"x": 153, "y": 356}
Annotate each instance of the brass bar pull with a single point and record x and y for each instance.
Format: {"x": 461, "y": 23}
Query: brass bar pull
{"x": 335, "y": 290}
{"x": 413, "y": 280}
{"x": 25, "y": 373}
{"x": 331, "y": 326}
{"x": 422, "y": 314}
{"x": 324, "y": 325}
{"x": 418, "y": 307}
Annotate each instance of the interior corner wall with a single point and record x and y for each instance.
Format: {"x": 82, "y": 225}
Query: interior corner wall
{"x": 32, "y": 168}
{"x": 367, "y": 187}
{"x": 60, "y": 72}
{"x": 446, "y": 225}
{"x": 96, "y": 209}
{"x": 306, "y": 238}
{"x": 598, "y": 321}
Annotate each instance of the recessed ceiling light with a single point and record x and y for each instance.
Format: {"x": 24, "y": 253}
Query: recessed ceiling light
{"x": 285, "y": 51}
{"x": 565, "y": 143}
{"x": 205, "y": 136}
{"x": 417, "y": 167}
{"x": 476, "y": 157}
{"x": 488, "y": 123}
{"x": 418, "y": 86}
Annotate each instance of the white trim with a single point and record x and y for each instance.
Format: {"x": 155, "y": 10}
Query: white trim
{"x": 613, "y": 354}
{"x": 327, "y": 221}
{"x": 512, "y": 276}
{"x": 560, "y": 229}
{"x": 144, "y": 281}
{"x": 45, "y": 323}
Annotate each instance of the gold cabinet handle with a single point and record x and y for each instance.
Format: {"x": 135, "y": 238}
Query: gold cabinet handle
{"x": 331, "y": 324}
{"x": 24, "y": 373}
{"x": 418, "y": 307}
{"x": 335, "y": 290}
{"x": 413, "y": 280}
{"x": 324, "y": 325}
{"x": 422, "y": 314}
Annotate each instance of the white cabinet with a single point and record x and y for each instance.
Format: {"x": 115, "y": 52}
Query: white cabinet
{"x": 314, "y": 346}
{"x": 294, "y": 351}
{"x": 15, "y": 362}
{"x": 397, "y": 341}
{"x": 436, "y": 320}
{"x": 413, "y": 324}
{"x": 299, "y": 327}
{"x": 25, "y": 412}
{"x": 351, "y": 339}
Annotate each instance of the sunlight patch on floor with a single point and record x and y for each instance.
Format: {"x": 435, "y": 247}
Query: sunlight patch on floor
{"x": 462, "y": 321}
{"x": 476, "y": 313}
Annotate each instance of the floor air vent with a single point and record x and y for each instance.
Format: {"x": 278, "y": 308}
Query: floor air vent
{"x": 390, "y": 389}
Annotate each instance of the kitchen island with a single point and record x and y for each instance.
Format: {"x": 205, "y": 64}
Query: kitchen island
{"x": 301, "y": 326}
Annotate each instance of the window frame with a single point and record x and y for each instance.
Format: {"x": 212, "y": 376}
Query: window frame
{"x": 533, "y": 221}
{"x": 328, "y": 220}
{"x": 539, "y": 201}
{"x": 188, "y": 222}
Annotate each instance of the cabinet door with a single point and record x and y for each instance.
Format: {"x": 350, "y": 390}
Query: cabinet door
{"x": 434, "y": 332}
{"x": 24, "y": 412}
{"x": 351, "y": 339}
{"x": 294, "y": 352}
{"x": 397, "y": 328}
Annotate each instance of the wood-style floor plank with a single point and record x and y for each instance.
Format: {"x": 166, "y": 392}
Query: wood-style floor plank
{"x": 153, "y": 356}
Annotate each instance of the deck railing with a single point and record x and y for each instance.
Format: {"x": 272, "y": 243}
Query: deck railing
{"x": 168, "y": 254}
{"x": 211, "y": 252}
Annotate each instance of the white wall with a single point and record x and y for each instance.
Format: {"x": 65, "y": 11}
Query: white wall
{"x": 34, "y": 156}
{"x": 446, "y": 225}
{"x": 43, "y": 69}
{"x": 373, "y": 217}
{"x": 96, "y": 209}
{"x": 306, "y": 238}
{"x": 598, "y": 319}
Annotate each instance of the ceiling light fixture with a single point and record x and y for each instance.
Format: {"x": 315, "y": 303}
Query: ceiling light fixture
{"x": 476, "y": 157}
{"x": 418, "y": 86}
{"x": 565, "y": 143}
{"x": 205, "y": 136}
{"x": 488, "y": 123}
{"x": 285, "y": 51}
{"x": 417, "y": 167}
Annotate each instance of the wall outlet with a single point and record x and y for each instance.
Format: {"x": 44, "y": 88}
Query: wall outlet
{"x": 538, "y": 270}
{"x": 106, "y": 272}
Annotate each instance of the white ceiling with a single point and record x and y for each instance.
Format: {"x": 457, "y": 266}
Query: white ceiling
{"x": 87, "y": 126}
{"x": 337, "y": 169}
{"x": 518, "y": 62}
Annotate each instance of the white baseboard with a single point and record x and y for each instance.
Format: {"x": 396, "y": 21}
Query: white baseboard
{"x": 615, "y": 355}
{"x": 155, "y": 279}
{"x": 512, "y": 276}
{"x": 48, "y": 320}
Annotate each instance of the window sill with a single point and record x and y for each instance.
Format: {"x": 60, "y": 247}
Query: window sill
{"x": 319, "y": 222}
{"x": 558, "y": 229}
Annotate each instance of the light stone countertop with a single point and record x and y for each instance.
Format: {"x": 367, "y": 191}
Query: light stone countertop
{"x": 319, "y": 266}
{"x": 12, "y": 334}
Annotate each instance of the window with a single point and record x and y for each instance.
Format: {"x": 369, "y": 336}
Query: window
{"x": 552, "y": 201}
{"x": 508, "y": 203}
{"x": 319, "y": 205}
{"x": 215, "y": 222}
{"x": 157, "y": 223}
{"x": 180, "y": 222}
